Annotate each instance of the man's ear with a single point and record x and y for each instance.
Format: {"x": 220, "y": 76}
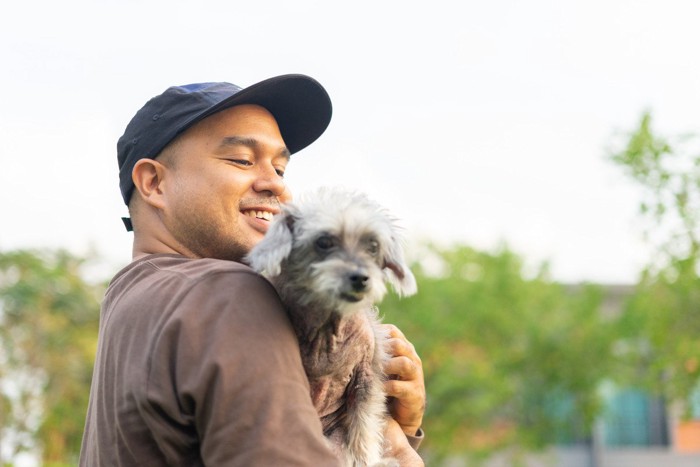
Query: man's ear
{"x": 148, "y": 176}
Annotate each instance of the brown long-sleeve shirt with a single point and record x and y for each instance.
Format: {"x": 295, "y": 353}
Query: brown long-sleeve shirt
{"x": 197, "y": 364}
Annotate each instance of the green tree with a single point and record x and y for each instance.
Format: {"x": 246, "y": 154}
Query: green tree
{"x": 662, "y": 320}
{"x": 510, "y": 361}
{"x": 48, "y": 333}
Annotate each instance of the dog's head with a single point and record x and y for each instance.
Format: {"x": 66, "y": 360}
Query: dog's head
{"x": 338, "y": 245}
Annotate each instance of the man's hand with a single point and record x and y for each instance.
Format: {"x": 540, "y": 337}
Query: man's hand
{"x": 405, "y": 386}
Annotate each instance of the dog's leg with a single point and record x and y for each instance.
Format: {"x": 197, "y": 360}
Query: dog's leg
{"x": 367, "y": 413}
{"x": 366, "y": 419}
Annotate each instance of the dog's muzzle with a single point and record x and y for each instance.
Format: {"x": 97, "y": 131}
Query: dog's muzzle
{"x": 357, "y": 283}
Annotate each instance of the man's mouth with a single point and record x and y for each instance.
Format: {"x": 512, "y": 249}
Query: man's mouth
{"x": 265, "y": 215}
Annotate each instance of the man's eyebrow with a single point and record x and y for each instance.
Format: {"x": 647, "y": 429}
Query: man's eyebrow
{"x": 239, "y": 141}
{"x": 248, "y": 142}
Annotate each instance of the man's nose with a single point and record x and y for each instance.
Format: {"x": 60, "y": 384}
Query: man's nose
{"x": 269, "y": 180}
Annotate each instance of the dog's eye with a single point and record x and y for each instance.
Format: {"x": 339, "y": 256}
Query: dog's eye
{"x": 373, "y": 247}
{"x": 325, "y": 242}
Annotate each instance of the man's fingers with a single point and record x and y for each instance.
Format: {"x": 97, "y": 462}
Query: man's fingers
{"x": 398, "y": 389}
{"x": 403, "y": 367}
{"x": 397, "y": 347}
{"x": 405, "y": 386}
{"x": 394, "y": 331}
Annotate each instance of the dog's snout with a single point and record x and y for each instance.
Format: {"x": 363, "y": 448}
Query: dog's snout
{"x": 358, "y": 281}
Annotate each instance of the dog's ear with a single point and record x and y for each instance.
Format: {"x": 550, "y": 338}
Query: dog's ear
{"x": 268, "y": 255}
{"x": 397, "y": 271}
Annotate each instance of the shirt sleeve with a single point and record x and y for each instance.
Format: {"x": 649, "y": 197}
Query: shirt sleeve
{"x": 416, "y": 440}
{"x": 226, "y": 374}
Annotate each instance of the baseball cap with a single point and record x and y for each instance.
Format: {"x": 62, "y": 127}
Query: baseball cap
{"x": 299, "y": 103}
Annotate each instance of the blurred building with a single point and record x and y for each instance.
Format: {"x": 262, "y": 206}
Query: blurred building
{"x": 636, "y": 429}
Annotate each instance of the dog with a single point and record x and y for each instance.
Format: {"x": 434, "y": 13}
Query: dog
{"x": 330, "y": 256}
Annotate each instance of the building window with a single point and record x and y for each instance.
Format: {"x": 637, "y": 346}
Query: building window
{"x": 634, "y": 418}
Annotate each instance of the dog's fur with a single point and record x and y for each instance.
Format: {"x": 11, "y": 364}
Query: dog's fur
{"x": 329, "y": 257}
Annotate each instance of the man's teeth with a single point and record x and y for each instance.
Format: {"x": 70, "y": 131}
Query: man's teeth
{"x": 260, "y": 214}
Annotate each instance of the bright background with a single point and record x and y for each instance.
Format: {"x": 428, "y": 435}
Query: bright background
{"x": 478, "y": 122}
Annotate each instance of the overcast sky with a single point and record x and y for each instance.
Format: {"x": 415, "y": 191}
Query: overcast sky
{"x": 478, "y": 122}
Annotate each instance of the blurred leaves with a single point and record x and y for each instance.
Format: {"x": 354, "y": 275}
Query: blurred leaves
{"x": 667, "y": 171}
{"x": 48, "y": 333}
{"x": 508, "y": 360}
{"x": 661, "y": 323}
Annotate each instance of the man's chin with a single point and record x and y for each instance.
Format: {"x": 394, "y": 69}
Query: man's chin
{"x": 233, "y": 245}
{"x": 229, "y": 251}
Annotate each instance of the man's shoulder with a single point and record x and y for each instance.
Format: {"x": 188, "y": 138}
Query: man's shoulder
{"x": 192, "y": 267}
{"x": 210, "y": 296}
{"x": 182, "y": 269}
{"x": 175, "y": 289}
{"x": 167, "y": 278}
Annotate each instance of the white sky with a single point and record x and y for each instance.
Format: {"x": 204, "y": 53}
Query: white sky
{"x": 474, "y": 121}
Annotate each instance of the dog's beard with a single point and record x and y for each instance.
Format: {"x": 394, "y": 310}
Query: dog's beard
{"x": 329, "y": 285}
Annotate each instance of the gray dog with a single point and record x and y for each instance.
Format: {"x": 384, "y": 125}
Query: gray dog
{"x": 329, "y": 257}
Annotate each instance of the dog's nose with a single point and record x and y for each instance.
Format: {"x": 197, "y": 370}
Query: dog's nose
{"x": 358, "y": 281}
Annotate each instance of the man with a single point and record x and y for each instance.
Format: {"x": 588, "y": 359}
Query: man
{"x": 197, "y": 362}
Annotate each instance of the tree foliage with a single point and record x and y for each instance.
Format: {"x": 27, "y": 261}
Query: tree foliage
{"x": 48, "y": 332}
{"x": 662, "y": 320}
{"x": 509, "y": 361}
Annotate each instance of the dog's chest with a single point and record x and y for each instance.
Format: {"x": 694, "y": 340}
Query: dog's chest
{"x": 337, "y": 358}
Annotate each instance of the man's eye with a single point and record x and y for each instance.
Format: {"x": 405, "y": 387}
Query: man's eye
{"x": 243, "y": 162}
{"x": 280, "y": 172}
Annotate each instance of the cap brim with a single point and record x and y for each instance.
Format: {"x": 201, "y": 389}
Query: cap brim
{"x": 299, "y": 103}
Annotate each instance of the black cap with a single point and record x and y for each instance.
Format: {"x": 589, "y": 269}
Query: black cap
{"x": 299, "y": 103}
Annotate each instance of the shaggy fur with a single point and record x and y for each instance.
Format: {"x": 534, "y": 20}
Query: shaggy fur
{"x": 330, "y": 256}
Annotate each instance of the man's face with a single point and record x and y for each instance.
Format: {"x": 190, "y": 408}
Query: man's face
{"x": 225, "y": 181}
